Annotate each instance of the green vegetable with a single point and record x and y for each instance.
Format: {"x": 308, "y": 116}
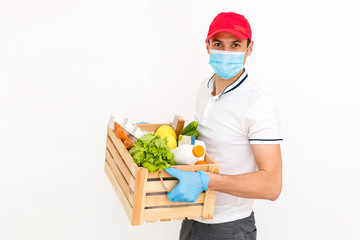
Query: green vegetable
{"x": 151, "y": 152}
{"x": 194, "y": 133}
{"x": 191, "y": 126}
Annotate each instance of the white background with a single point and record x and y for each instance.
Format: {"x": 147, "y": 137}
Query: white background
{"x": 65, "y": 66}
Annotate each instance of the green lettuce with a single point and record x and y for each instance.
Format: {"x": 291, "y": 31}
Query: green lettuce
{"x": 151, "y": 152}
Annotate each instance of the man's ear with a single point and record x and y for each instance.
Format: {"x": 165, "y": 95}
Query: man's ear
{"x": 249, "y": 51}
{"x": 207, "y": 47}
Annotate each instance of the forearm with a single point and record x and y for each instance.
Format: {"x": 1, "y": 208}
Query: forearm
{"x": 261, "y": 184}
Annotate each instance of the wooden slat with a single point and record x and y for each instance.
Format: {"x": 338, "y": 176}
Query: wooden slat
{"x": 178, "y": 124}
{"x": 162, "y": 200}
{"x": 176, "y": 212}
{"x": 121, "y": 164}
{"x": 156, "y": 174}
{"x": 209, "y": 159}
{"x": 191, "y": 168}
{"x": 123, "y": 200}
{"x": 165, "y": 220}
{"x": 120, "y": 178}
{"x": 195, "y": 217}
{"x": 209, "y": 204}
{"x": 151, "y": 221}
{"x": 151, "y": 127}
{"x": 210, "y": 196}
{"x": 139, "y": 194}
{"x": 156, "y": 186}
{"x": 129, "y": 161}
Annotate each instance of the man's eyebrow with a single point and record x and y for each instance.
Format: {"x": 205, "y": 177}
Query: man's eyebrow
{"x": 235, "y": 41}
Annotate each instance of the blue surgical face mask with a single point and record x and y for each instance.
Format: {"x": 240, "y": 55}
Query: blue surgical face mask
{"x": 226, "y": 64}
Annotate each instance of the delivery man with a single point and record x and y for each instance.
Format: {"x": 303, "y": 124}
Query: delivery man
{"x": 241, "y": 129}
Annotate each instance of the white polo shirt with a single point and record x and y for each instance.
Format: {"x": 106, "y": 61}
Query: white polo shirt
{"x": 228, "y": 123}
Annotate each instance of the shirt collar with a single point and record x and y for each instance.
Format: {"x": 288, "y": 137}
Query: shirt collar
{"x": 237, "y": 83}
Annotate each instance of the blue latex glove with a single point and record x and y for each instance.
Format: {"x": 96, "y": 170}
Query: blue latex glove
{"x": 190, "y": 185}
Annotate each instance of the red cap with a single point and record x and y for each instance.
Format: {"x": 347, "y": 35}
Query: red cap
{"x": 232, "y": 23}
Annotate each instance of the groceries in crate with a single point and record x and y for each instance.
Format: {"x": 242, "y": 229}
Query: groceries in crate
{"x": 201, "y": 162}
{"x": 130, "y": 129}
{"x": 190, "y": 130}
{"x": 178, "y": 124}
{"x": 151, "y": 152}
{"x": 168, "y": 133}
{"x": 188, "y": 154}
{"x": 123, "y": 137}
{"x": 163, "y": 148}
{"x": 183, "y": 140}
{"x": 186, "y": 140}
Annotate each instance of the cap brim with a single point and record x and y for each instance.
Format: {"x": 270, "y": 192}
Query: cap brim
{"x": 240, "y": 35}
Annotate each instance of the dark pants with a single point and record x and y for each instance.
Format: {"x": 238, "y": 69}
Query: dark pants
{"x": 242, "y": 229}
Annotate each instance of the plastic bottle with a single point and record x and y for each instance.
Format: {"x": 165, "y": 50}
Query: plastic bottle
{"x": 190, "y": 140}
{"x": 188, "y": 154}
{"x": 201, "y": 143}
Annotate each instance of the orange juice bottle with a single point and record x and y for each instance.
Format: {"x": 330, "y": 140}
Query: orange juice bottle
{"x": 188, "y": 154}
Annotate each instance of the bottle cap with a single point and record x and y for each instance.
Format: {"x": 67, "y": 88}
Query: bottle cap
{"x": 198, "y": 151}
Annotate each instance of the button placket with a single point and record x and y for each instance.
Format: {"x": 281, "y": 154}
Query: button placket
{"x": 208, "y": 107}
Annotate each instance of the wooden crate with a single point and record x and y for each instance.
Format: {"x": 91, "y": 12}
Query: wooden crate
{"x": 142, "y": 193}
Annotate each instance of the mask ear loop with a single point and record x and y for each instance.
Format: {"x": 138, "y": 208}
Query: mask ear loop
{"x": 247, "y": 48}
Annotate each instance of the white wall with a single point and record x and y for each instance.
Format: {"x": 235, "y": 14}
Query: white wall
{"x": 65, "y": 66}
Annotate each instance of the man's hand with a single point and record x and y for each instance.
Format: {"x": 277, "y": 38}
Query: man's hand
{"x": 190, "y": 185}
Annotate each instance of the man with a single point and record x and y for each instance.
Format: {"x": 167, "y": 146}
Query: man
{"x": 240, "y": 127}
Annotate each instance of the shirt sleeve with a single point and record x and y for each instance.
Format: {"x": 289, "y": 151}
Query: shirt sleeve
{"x": 263, "y": 123}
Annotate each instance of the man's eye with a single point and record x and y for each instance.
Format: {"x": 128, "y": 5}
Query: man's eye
{"x": 236, "y": 45}
{"x": 217, "y": 44}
